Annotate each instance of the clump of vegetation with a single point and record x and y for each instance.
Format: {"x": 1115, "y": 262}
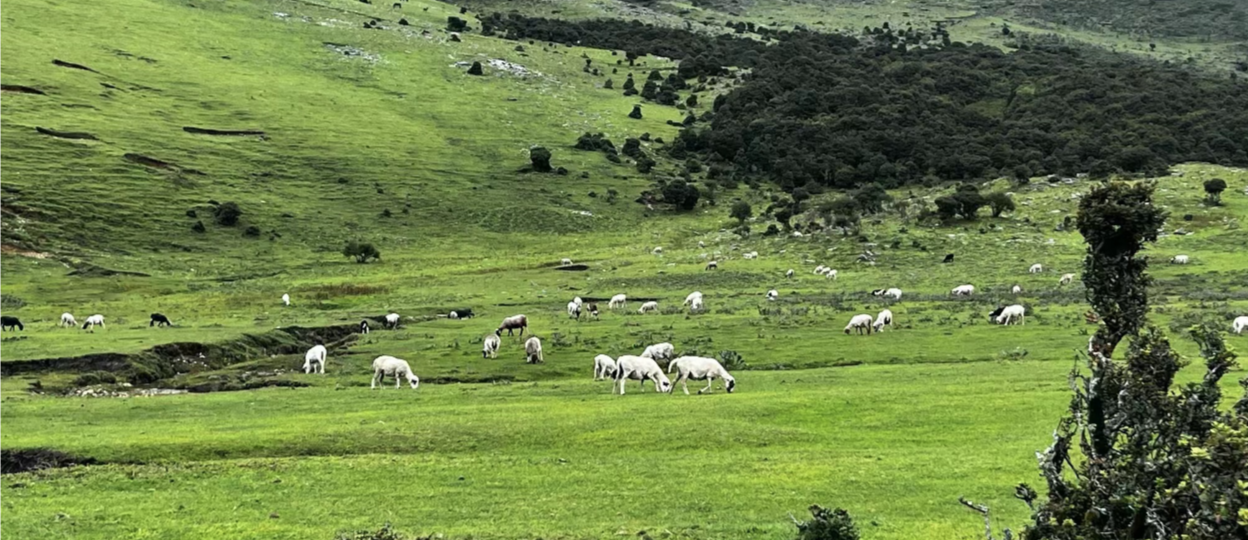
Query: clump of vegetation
{"x": 386, "y": 532}
{"x": 732, "y": 360}
{"x": 826, "y": 524}
{"x": 1213, "y": 191}
{"x": 475, "y": 69}
{"x": 540, "y": 158}
{"x": 741, "y": 211}
{"x": 456, "y": 24}
{"x": 227, "y": 213}
{"x": 680, "y": 194}
{"x": 95, "y": 377}
{"x": 361, "y": 251}
{"x": 1000, "y": 203}
{"x": 965, "y": 202}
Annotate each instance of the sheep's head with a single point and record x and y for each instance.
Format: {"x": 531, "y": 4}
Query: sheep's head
{"x": 730, "y": 385}
{"x": 413, "y": 380}
{"x": 664, "y": 384}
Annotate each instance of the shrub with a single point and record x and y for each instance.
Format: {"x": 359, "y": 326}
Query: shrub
{"x": 227, "y": 213}
{"x": 198, "y": 227}
{"x": 476, "y": 69}
{"x": 645, "y": 164}
{"x": 609, "y": 84}
{"x": 95, "y": 377}
{"x": 999, "y": 202}
{"x": 632, "y": 148}
{"x": 636, "y": 114}
{"x": 680, "y": 194}
{"x": 827, "y": 524}
{"x": 741, "y": 211}
{"x": 540, "y": 157}
{"x": 1213, "y": 191}
{"x": 732, "y": 360}
{"x": 386, "y": 532}
{"x": 456, "y": 24}
{"x": 252, "y": 231}
{"x": 363, "y": 252}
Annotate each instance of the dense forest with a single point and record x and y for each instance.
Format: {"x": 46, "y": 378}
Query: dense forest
{"x": 834, "y": 111}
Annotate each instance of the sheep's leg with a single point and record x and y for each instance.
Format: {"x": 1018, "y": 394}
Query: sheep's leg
{"x": 397, "y": 380}
{"x": 307, "y": 367}
{"x": 621, "y": 385}
{"x": 376, "y": 379}
{"x": 710, "y": 381}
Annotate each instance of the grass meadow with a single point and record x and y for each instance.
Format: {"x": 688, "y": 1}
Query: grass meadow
{"x": 395, "y": 145}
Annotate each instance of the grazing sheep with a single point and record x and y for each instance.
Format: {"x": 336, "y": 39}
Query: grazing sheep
{"x": 364, "y": 326}
{"x": 860, "y": 323}
{"x": 701, "y": 244}
{"x": 1179, "y": 259}
{"x": 894, "y": 293}
{"x": 489, "y": 348}
{"x": 1066, "y": 279}
{"x": 617, "y": 301}
{"x": 453, "y": 315}
{"x": 819, "y": 270}
{"x": 395, "y": 367}
{"x": 392, "y": 321}
{"x": 789, "y": 274}
{"x": 713, "y": 265}
{"x": 885, "y": 318}
{"x": 604, "y": 367}
{"x": 963, "y": 290}
{"x": 773, "y": 294}
{"x": 566, "y": 261}
{"x": 648, "y": 307}
{"x": 830, "y": 273}
{"x": 93, "y": 321}
{"x": 1016, "y": 289}
{"x": 696, "y": 305}
{"x": 461, "y": 314}
{"x": 659, "y": 351}
{"x": 877, "y": 292}
{"x": 1008, "y": 314}
{"x": 1240, "y": 324}
{"x": 593, "y": 310}
{"x": 658, "y": 251}
{"x": 750, "y": 255}
{"x": 700, "y": 368}
{"x": 574, "y": 310}
{"x": 948, "y": 258}
{"x": 640, "y": 369}
{"x": 1035, "y": 269}
{"x": 67, "y": 319}
{"x": 695, "y": 295}
{"x": 286, "y": 299}
{"x": 533, "y": 351}
{"x": 578, "y": 301}
{"x": 159, "y": 320}
{"x": 511, "y": 323}
{"x": 11, "y": 323}
{"x": 315, "y": 358}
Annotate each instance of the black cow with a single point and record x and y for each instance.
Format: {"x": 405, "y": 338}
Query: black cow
{"x": 9, "y": 323}
{"x": 159, "y": 320}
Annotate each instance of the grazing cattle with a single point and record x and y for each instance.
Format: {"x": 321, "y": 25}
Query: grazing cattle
{"x": 390, "y": 366}
{"x": 700, "y": 368}
{"x": 885, "y": 318}
{"x": 489, "y": 348}
{"x": 314, "y": 358}
{"x": 392, "y": 321}
{"x": 11, "y": 323}
{"x": 364, "y": 326}
{"x": 659, "y": 351}
{"x": 1016, "y": 289}
{"x": 93, "y": 321}
{"x": 533, "y": 351}
{"x": 948, "y": 258}
{"x": 648, "y": 307}
{"x": 1035, "y": 269}
{"x": 860, "y": 323}
{"x": 574, "y": 310}
{"x": 713, "y": 265}
{"x": 1179, "y": 259}
{"x": 511, "y": 323}
{"x": 640, "y": 369}
{"x": 286, "y": 299}
{"x": 1009, "y": 314}
{"x": 159, "y": 320}
{"x": 1240, "y": 324}
{"x": 773, "y": 294}
{"x": 617, "y": 301}
{"x": 1066, "y": 279}
{"x": 963, "y": 290}
{"x": 67, "y": 319}
{"x": 593, "y": 310}
{"x": 604, "y": 367}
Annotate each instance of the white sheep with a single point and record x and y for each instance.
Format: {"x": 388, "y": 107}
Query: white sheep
{"x": 648, "y": 307}
{"x": 658, "y": 251}
{"x": 701, "y": 244}
{"x": 773, "y": 294}
{"x": 67, "y": 319}
{"x": 390, "y": 366}
{"x": 750, "y": 255}
{"x": 617, "y": 301}
{"x": 713, "y": 265}
{"x": 1066, "y": 279}
{"x": 659, "y": 351}
{"x": 510, "y": 324}
{"x": 963, "y": 290}
{"x": 533, "y": 351}
{"x": 489, "y": 348}
{"x": 1035, "y": 269}
{"x": 604, "y": 367}
{"x": 392, "y": 320}
{"x": 830, "y": 273}
{"x": 696, "y": 305}
{"x": 578, "y": 301}
{"x": 700, "y": 368}
{"x": 640, "y": 369}
{"x": 453, "y": 315}
{"x": 789, "y": 274}
{"x": 315, "y": 358}
{"x": 860, "y": 323}
{"x": 1179, "y": 259}
{"x": 693, "y": 296}
{"x": 1016, "y": 289}
{"x": 93, "y": 321}
{"x": 566, "y": 261}
{"x": 885, "y": 318}
{"x": 819, "y": 270}
{"x": 1008, "y": 315}
{"x": 574, "y": 310}
{"x": 1240, "y": 324}
{"x": 286, "y": 299}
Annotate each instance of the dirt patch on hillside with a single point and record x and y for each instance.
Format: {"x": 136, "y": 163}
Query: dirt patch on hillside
{"x": 38, "y": 459}
{"x": 20, "y": 89}
{"x": 73, "y": 135}
{"x": 154, "y": 163}
{"x": 223, "y": 132}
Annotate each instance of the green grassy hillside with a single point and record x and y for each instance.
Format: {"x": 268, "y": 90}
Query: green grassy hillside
{"x": 380, "y": 135}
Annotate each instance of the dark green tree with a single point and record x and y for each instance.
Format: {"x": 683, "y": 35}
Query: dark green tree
{"x": 1000, "y": 203}
{"x": 540, "y": 157}
{"x": 827, "y": 525}
{"x": 1213, "y": 191}
{"x": 361, "y": 251}
{"x": 871, "y": 198}
{"x": 476, "y": 69}
{"x": 227, "y": 213}
{"x": 681, "y": 194}
{"x": 741, "y": 211}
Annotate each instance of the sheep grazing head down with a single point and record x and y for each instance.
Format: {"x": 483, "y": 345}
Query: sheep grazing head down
{"x": 413, "y": 381}
{"x": 665, "y": 385}
{"x": 730, "y": 385}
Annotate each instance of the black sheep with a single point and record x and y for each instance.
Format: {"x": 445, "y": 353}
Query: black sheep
{"x": 159, "y": 320}
{"x": 949, "y": 258}
{"x": 9, "y": 323}
{"x": 462, "y": 313}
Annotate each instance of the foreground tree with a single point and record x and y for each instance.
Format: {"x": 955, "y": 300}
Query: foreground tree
{"x": 1134, "y": 457}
